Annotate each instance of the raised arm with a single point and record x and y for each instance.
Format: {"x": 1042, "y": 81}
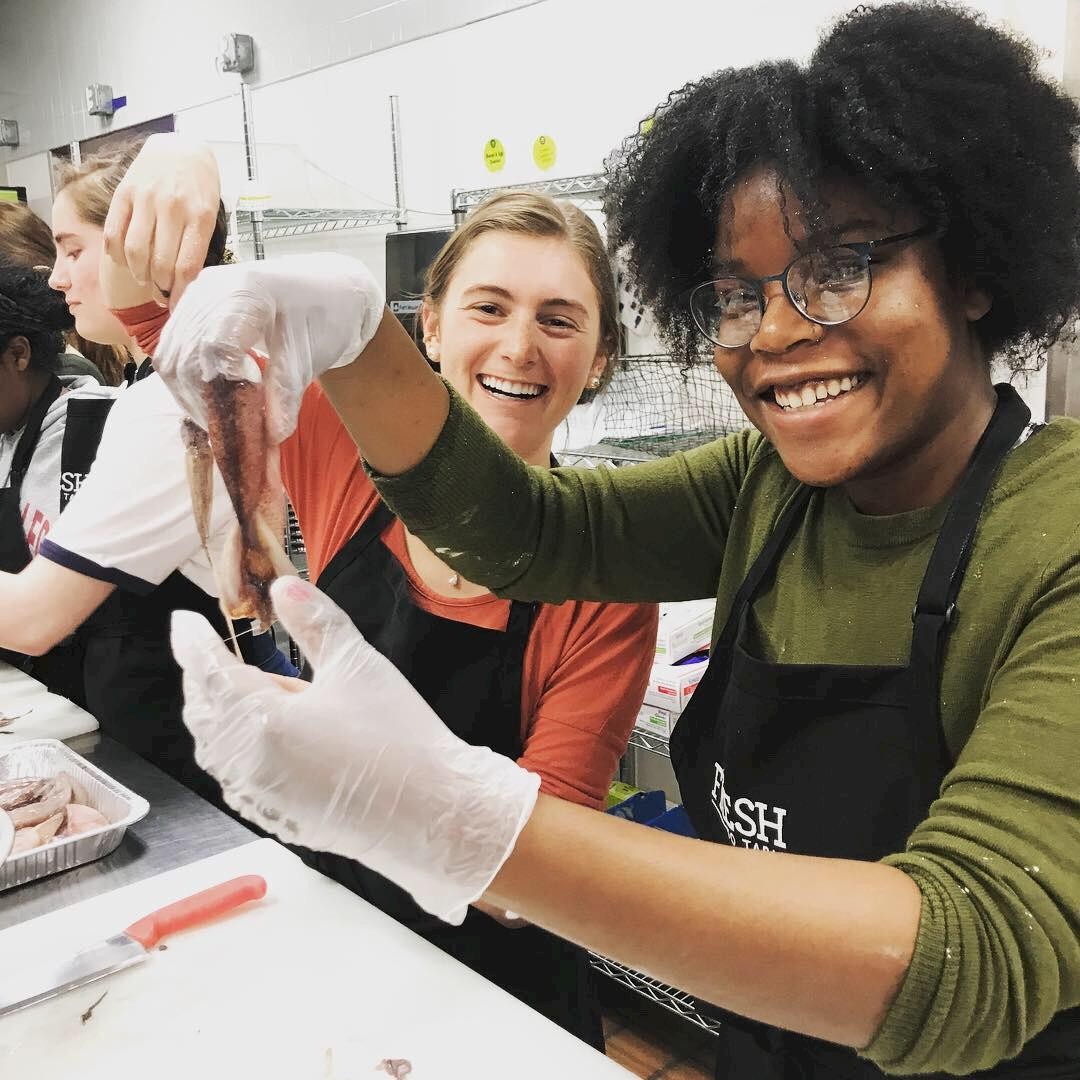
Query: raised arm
{"x": 393, "y": 405}
{"x": 648, "y": 533}
{"x": 653, "y": 532}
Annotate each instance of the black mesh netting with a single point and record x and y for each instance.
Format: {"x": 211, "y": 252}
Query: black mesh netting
{"x": 655, "y": 405}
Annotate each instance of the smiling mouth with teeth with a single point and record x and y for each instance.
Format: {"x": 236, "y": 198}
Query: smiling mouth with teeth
{"x": 817, "y": 392}
{"x": 509, "y": 388}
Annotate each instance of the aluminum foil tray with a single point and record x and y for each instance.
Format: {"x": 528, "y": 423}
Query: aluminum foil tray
{"x": 47, "y": 757}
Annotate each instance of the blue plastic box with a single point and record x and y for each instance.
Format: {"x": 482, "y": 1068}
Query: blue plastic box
{"x": 643, "y": 807}
{"x": 650, "y": 808}
{"x": 674, "y": 821}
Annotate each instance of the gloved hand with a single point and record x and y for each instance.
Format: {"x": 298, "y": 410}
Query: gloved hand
{"x": 356, "y": 763}
{"x": 306, "y": 313}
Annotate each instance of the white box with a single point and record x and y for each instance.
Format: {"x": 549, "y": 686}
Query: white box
{"x": 685, "y": 628}
{"x": 671, "y": 687}
{"x": 655, "y": 721}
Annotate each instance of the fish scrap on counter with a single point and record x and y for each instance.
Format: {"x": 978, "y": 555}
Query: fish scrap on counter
{"x": 237, "y": 440}
{"x": 395, "y": 1067}
{"x": 90, "y": 1012}
{"x": 7, "y": 721}
{"x": 46, "y": 809}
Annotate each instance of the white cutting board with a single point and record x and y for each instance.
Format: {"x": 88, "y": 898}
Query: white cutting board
{"x": 310, "y": 983}
{"x": 51, "y": 716}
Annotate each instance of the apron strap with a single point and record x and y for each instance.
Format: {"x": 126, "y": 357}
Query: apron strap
{"x": 936, "y": 603}
{"x": 953, "y": 548}
{"x": 522, "y": 613}
{"x": 35, "y": 418}
{"x": 521, "y": 618}
{"x": 371, "y": 529}
{"x": 764, "y": 565}
{"x": 134, "y": 373}
{"x": 376, "y": 523}
{"x": 82, "y": 435}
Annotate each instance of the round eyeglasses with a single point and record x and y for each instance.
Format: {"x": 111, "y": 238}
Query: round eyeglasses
{"x": 828, "y": 286}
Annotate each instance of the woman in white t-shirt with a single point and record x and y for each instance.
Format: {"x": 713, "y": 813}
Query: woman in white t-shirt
{"x": 124, "y": 554}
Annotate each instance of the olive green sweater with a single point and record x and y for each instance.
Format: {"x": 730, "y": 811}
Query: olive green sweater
{"x": 997, "y": 859}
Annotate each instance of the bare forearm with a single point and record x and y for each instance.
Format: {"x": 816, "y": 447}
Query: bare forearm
{"x": 391, "y": 402}
{"x": 818, "y": 946}
{"x": 43, "y": 604}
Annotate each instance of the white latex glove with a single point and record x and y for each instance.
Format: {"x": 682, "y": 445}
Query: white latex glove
{"x": 307, "y": 313}
{"x": 356, "y": 763}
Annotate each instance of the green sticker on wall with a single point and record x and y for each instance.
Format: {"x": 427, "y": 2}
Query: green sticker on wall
{"x": 494, "y": 155}
{"x": 544, "y": 152}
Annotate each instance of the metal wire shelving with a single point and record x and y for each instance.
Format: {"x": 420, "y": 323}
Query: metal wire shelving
{"x": 305, "y": 221}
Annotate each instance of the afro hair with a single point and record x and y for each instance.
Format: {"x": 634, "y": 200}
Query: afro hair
{"x": 923, "y": 105}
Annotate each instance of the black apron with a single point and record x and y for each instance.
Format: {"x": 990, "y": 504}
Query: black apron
{"x": 838, "y": 761}
{"x": 471, "y": 677}
{"x": 14, "y": 550}
{"x": 60, "y": 669}
{"x": 118, "y": 665}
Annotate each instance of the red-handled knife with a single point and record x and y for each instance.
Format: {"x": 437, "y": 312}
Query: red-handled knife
{"x": 18, "y": 989}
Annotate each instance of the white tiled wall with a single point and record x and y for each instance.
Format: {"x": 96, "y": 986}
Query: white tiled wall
{"x": 162, "y": 54}
{"x": 32, "y": 173}
{"x": 584, "y": 72}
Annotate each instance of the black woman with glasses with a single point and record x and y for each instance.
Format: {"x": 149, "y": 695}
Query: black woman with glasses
{"x": 883, "y": 760}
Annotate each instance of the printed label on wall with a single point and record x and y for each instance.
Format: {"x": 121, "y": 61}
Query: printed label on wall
{"x": 494, "y": 155}
{"x": 253, "y": 196}
{"x": 544, "y": 152}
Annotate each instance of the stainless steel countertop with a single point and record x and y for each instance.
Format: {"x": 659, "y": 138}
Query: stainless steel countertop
{"x": 180, "y": 829}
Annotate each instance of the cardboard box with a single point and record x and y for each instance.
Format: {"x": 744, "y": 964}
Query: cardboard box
{"x": 685, "y": 628}
{"x": 655, "y": 721}
{"x": 671, "y": 687}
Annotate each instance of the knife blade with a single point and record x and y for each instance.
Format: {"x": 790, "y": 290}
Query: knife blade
{"x": 20, "y": 989}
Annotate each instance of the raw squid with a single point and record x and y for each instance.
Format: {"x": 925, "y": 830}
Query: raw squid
{"x": 50, "y": 800}
{"x": 78, "y": 792}
{"x": 47, "y": 808}
{"x": 79, "y": 818}
{"x": 199, "y": 460}
{"x": 200, "y": 476}
{"x": 22, "y": 792}
{"x": 237, "y": 440}
{"x": 37, "y": 835}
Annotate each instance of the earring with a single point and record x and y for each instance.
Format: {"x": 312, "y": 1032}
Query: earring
{"x": 432, "y": 350}
{"x": 594, "y": 383}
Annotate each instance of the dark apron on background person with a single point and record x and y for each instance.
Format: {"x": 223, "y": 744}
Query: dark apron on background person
{"x": 60, "y": 669}
{"x": 118, "y": 665}
{"x": 471, "y": 677}
{"x": 838, "y": 761}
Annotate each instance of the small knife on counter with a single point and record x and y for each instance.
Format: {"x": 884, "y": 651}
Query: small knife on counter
{"x": 19, "y": 989}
